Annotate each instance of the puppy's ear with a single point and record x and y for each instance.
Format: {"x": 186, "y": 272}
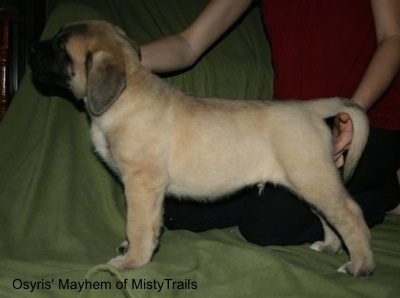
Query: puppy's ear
{"x": 105, "y": 81}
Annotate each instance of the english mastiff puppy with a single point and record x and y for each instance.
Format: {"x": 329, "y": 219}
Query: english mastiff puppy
{"x": 161, "y": 140}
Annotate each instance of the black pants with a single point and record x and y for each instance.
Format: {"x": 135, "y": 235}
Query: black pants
{"x": 278, "y": 217}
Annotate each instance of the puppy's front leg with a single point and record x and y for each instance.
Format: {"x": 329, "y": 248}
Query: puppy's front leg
{"x": 144, "y": 198}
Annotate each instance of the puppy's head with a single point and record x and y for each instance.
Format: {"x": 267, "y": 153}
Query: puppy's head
{"x": 91, "y": 59}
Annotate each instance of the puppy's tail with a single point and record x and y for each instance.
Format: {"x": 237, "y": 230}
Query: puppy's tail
{"x": 331, "y": 107}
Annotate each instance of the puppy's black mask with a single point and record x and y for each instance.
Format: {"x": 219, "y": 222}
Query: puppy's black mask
{"x": 49, "y": 60}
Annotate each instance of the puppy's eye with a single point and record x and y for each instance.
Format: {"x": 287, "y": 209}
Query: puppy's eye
{"x": 60, "y": 43}
{"x": 62, "y": 38}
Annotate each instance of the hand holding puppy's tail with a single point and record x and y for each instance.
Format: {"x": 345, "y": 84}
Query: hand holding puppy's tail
{"x": 332, "y": 107}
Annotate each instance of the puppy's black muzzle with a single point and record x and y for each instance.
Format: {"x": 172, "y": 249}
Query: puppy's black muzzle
{"x": 49, "y": 63}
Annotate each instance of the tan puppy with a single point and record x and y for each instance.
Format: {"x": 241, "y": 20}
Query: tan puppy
{"x": 160, "y": 140}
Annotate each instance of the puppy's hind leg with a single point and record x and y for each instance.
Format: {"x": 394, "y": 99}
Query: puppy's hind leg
{"x": 355, "y": 233}
{"x": 332, "y": 200}
{"x": 331, "y": 243}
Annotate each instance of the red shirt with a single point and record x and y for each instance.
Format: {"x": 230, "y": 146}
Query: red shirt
{"x": 321, "y": 48}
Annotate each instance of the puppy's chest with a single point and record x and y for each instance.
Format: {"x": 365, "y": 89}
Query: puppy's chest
{"x": 101, "y": 146}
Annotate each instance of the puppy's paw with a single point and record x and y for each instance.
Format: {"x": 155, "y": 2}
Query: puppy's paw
{"x": 118, "y": 262}
{"x": 331, "y": 248}
{"x": 129, "y": 260}
{"x": 122, "y": 248}
{"x": 364, "y": 270}
{"x": 124, "y": 263}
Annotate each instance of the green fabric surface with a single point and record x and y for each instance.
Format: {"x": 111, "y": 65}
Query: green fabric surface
{"x": 63, "y": 213}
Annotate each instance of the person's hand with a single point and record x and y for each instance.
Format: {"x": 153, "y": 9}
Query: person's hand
{"x": 342, "y": 137}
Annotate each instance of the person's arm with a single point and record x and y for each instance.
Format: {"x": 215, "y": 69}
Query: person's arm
{"x": 380, "y": 73}
{"x": 385, "y": 64}
{"x": 185, "y": 48}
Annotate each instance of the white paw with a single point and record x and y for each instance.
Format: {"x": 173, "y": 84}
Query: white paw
{"x": 361, "y": 270}
{"x": 321, "y": 246}
{"x": 342, "y": 269}
{"x": 117, "y": 262}
{"x": 317, "y": 246}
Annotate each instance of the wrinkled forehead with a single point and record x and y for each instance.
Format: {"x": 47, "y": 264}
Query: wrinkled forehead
{"x": 89, "y": 36}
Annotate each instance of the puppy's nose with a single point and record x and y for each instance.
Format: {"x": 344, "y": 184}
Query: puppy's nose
{"x": 34, "y": 52}
{"x": 34, "y": 48}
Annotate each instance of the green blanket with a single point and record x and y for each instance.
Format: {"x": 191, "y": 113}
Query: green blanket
{"x": 62, "y": 213}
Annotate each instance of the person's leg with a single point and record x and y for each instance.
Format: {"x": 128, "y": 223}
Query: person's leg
{"x": 375, "y": 185}
{"x": 202, "y": 216}
{"x": 396, "y": 210}
{"x": 278, "y": 217}
{"x": 376, "y": 202}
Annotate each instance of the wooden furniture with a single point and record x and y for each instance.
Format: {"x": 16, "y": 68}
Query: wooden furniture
{"x": 21, "y": 23}
{"x": 6, "y": 22}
